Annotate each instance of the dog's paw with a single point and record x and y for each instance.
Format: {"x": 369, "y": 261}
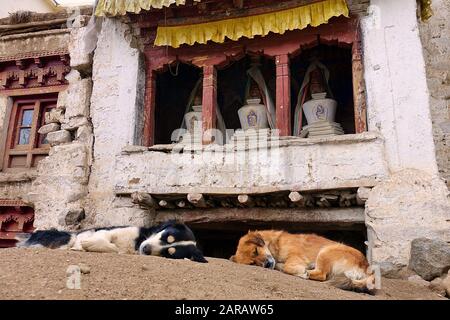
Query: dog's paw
{"x": 304, "y": 275}
{"x": 279, "y": 267}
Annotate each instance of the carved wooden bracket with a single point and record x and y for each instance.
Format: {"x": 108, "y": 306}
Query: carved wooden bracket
{"x": 34, "y": 72}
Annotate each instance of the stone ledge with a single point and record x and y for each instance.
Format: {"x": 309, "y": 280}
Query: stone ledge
{"x": 283, "y": 142}
{"x": 26, "y": 176}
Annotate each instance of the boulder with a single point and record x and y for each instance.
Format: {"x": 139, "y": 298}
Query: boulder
{"x": 59, "y": 137}
{"x": 84, "y": 134}
{"x": 51, "y": 127}
{"x": 429, "y": 258}
{"x": 74, "y": 123}
{"x": 437, "y": 286}
{"x": 54, "y": 116}
{"x": 78, "y": 98}
{"x": 62, "y": 100}
{"x": 74, "y": 217}
{"x": 390, "y": 270}
{"x": 418, "y": 280}
{"x": 446, "y": 284}
{"x": 81, "y": 47}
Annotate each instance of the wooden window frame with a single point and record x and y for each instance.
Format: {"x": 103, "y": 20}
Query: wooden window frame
{"x": 34, "y": 147}
{"x": 342, "y": 32}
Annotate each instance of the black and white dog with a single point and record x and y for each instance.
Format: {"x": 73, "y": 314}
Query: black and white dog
{"x": 172, "y": 240}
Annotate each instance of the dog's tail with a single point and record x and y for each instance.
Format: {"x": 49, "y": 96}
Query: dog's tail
{"x": 362, "y": 282}
{"x": 52, "y": 239}
{"x": 365, "y": 285}
{"x": 22, "y": 239}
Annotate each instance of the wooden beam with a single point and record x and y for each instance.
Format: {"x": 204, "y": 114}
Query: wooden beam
{"x": 297, "y": 198}
{"x": 182, "y": 204}
{"x": 246, "y": 200}
{"x": 362, "y": 195}
{"x": 347, "y": 199}
{"x": 144, "y": 199}
{"x": 283, "y": 95}
{"x": 339, "y": 218}
{"x": 166, "y": 204}
{"x": 230, "y": 13}
{"x": 8, "y": 27}
{"x": 238, "y": 4}
{"x": 197, "y": 200}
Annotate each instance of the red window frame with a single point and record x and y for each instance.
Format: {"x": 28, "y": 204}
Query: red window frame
{"x": 35, "y": 149}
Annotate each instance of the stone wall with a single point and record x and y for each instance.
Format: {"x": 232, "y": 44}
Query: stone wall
{"x": 61, "y": 187}
{"x": 413, "y": 201}
{"x": 115, "y": 104}
{"x": 435, "y": 35}
{"x": 18, "y": 186}
{"x": 51, "y": 40}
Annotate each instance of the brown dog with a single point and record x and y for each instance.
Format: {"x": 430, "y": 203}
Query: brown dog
{"x": 308, "y": 256}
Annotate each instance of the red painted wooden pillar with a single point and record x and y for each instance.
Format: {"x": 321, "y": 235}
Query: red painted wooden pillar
{"x": 283, "y": 101}
{"x": 359, "y": 97}
{"x": 149, "y": 108}
{"x": 209, "y": 103}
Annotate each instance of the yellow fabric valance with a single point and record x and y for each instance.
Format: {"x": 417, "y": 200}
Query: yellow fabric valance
{"x": 426, "y": 10}
{"x": 313, "y": 14}
{"x": 121, "y": 7}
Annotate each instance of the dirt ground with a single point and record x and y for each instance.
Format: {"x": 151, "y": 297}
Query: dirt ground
{"x": 41, "y": 274}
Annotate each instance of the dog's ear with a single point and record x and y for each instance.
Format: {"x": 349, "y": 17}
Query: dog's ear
{"x": 256, "y": 239}
{"x": 233, "y": 258}
{"x": 197, "y": 256}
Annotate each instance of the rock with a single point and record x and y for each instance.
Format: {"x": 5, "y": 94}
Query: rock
{"x": 84, "y": 268}
{"x": 446, "y": 284}
{"x": 62, "y": 100}
{"x": 81, "y": 48}
{"x": 145, "y": 268}
{"x": 73, "y": 76}
{"x": 74, "y": 217}
{"x": 418, "y": 280}
{"x": 429, "y": 258}
{"x": 51, "y": 127}
{"x": 78, "y": 98}
{"x": 437, "y": 286}
{"x": 390, "y": 270}
{"x": 74, "y": 123}
{"x": 362, "y": 195}
{"x": 54, "y": 116}
{"x": 130, "y": 149}
{"x": 59, "y": 137}
{"x": 84, "y": 134}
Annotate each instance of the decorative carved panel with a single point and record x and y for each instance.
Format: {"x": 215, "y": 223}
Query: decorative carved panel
{"x": 15, "y": 218}
{"x": 34, "y": 72}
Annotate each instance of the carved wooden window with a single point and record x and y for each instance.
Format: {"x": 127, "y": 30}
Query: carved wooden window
{"x": 341, "y": 37}
{"x": 25, "y": 146}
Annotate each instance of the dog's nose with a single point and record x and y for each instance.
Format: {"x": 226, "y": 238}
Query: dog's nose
{"x": 269, "y": 263}
{"x": 147, "y": 250}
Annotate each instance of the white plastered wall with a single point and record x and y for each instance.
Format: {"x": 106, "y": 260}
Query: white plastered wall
{"x": 114, "y": 101}
{"x": 413, "y": 202}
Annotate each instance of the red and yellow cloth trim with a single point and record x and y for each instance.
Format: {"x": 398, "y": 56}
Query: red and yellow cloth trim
{"x": 313, "y": 14}
{"x": 122, "y": 7}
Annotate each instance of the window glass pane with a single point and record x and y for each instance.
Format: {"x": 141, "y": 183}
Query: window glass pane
{"x": 27, "y": 118}
{"x": 43, "y": 138}
{"x": 24, "y": 136}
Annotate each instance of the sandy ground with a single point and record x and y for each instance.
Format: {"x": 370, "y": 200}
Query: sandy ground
{"x": 41, "y": 274}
